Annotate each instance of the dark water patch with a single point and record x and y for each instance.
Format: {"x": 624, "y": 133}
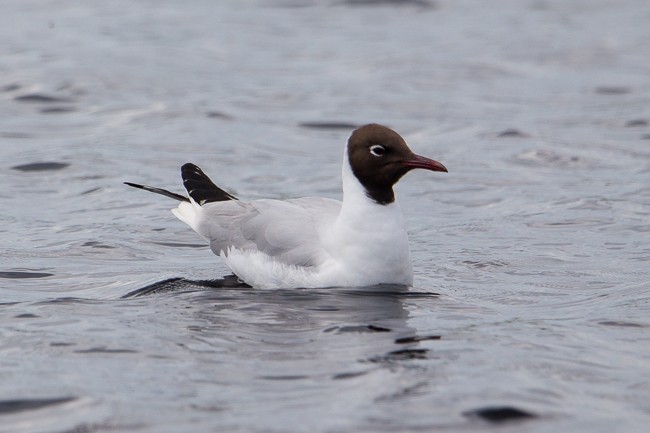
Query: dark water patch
{"x": 388, "y": 290}
{"x": 637, "y": 122}
{"x": 207, "y": 408}
{"x": 90, "y": 191}
{"x": 324, "y": 308}
{"x": 357, "y": 329}
{"x": 511, "y": 132}
{"x": 57, "y": 110}
{"x": 406, "y": 354}
{"x": 66, "y": 300}
{"x": 20, "y": 274}
{"x": 164, "y": 286}
{"x": 348, "y": 375}
{"x": 179, "y": 245}
{"x": 241, "y": 291}
{"x": 10, "y": 87}
{"x": 228, "y": 281}
{"x": 420, "y": 295}
{"x": 13, "y": 406}
{"x": 485, "y": 264}
{"x": 95, "y": 244}
{"x": 612, "y": 90}
{"x": 375, "y": 328}
{"x": 15, "y": 135}
{"x": 329, "y": 125}
{"x": 26, "y": 316}
{"x": 183, "y": 285}
{"x": 404, "y": 295}
{"x": 401, "y": 355}
{"x": 105, "y": 350}
{"x": 41, "y": 166}
{"x": 285, "y": 377}
{"x": 621, "y": 324}
{"x": 219, "y": 115}
{"x": 409, "y": 391}
{"x": 62, "y": 344}
{"x": 645, "y": 137}
{"x": 499, "y": 414}
{"x": 417, "y": 339}
{"x": 41, "y": 98}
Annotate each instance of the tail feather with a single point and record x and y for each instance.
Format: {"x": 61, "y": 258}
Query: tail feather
{"x": 200, "y": 187}
{"x": 159, "y": 191}
{"x": 188, "y": 213}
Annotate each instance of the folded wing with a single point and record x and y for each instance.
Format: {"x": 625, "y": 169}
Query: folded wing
{"x": 289, "y": 231}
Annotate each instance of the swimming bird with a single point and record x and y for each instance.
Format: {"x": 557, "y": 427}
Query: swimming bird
{"x": 313, "y": 242}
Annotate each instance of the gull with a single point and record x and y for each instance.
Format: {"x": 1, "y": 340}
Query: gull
{"x": 313, "y": 242}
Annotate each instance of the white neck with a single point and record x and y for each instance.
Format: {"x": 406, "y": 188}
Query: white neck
{"x": 371, "y": 234}
{"x": 361, "y": 212}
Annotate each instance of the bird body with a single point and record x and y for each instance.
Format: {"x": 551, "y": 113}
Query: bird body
{"x": 311, "y": 241}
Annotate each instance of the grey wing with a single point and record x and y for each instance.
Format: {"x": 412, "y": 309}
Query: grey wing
{"x": 290, "y": 231}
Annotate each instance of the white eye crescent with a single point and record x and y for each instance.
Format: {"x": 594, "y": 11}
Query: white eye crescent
{"x": 377, "y": 150}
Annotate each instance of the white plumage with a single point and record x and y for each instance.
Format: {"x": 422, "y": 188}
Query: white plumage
{"x": 307, "y": 242}
{"x": 313, "y": 242}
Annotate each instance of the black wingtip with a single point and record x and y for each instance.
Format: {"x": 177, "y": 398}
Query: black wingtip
{"x": 200, "y": 187}
{"x": 158, "y": 191}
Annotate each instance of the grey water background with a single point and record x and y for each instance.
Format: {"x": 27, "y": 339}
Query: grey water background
{"x": 537, "y": 241}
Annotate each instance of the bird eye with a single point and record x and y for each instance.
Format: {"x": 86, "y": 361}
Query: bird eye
{"x": 377, "y": 150}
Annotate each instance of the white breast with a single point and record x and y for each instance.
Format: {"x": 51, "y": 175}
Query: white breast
{"x": 368, "y": 242}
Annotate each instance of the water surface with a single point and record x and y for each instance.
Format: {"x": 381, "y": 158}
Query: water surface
{"x": 530, "y": 306}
